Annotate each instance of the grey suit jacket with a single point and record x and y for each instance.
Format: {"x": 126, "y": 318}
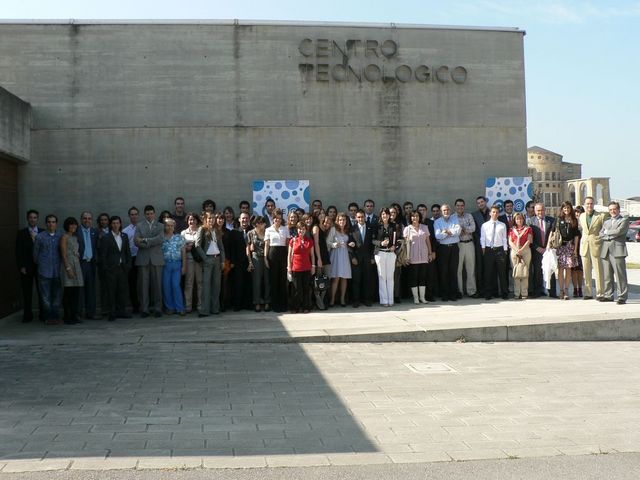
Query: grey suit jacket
{"x": 614, "y": 237}
{"x": 150, "y": 243}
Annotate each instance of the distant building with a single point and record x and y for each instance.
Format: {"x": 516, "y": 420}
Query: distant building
{"x": 556, "y": 181}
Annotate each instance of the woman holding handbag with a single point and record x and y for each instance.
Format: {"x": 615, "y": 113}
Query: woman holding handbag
{"x": 520, "y": 239}
{"x": 385, "y": 256}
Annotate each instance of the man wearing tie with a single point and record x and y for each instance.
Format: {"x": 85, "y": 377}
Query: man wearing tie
{"x": 88, "y": 250}
{"x": 361, "y": 261}
{"x": 114, "y": 254}
{"x": 241, "y": 282}
{"x": 613, "y": 254}
{"x": 542, "y": 226}
{"x": 493, "y": 241}
{"x": 590, "y": 247}
{"x": 370, "y": 217}
{"x": 27, "y": 267}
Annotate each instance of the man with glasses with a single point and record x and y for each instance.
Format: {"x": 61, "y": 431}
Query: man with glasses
{"x": 46, "y": 255}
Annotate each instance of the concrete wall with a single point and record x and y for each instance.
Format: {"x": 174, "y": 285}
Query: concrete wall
{"x": 15, "y": 126}
{"x": 136, "y": 113}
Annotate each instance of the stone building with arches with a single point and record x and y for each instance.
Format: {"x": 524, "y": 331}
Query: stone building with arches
{"x": 556, "y": 181}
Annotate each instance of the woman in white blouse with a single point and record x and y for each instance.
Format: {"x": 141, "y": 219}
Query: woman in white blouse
{"x": 276, "y": 241}
{"x": 194, "y": 269}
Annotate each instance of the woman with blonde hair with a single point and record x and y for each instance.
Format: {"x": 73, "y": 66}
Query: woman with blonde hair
{"x": 211, "y": 249}
{"x": 520, "y": 239}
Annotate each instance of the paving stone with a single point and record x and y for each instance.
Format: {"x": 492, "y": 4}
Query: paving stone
{"x": 102, "y": 464}
{"x": 248, "y": 461}
{"x": 155, "y": 463}
{"x": 18, "y": 466}
{"x": 297, "y": 460}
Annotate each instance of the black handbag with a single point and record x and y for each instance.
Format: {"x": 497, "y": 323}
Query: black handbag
{"x": 321, "y": 282}
{"x": 196, "y": 255}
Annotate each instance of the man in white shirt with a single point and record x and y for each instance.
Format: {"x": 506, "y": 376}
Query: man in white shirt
{"x": 130, "y": 231}
{"x": 493, "y": 241}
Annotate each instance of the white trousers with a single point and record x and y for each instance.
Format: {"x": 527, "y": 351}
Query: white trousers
{"x": 386, "y": 263}
{"x": 467, "y": 260}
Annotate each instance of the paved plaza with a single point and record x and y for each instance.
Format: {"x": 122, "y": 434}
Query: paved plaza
{"x": 246, "y": 390}
{"x": 110, "y": 406}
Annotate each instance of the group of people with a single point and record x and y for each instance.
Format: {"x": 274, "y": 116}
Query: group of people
{"x": 207, "y": 262}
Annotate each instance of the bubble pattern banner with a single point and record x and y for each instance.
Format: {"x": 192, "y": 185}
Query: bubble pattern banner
{"x": 517, "y": 189}
{"x": 288, "y": 194}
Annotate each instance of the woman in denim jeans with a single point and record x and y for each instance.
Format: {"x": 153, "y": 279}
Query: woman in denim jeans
{"x": 175, "y": 265}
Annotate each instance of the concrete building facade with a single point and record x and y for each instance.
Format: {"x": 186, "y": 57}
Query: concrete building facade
{"x": 133, "y": 113}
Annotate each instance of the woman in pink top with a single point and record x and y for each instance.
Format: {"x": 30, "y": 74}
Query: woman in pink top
{"x": 419, "y": 255}
{"x": 520, "y": 238}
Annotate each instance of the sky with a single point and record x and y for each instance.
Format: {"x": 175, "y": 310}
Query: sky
{"x": 581, "y": 58}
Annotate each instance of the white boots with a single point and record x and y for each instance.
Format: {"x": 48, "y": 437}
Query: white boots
{"x": 414, "y": 291}
{"x": 422, "y": 291}
{"x": 418, "y": 295}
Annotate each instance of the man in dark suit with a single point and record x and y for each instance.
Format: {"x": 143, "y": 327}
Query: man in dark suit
{"x": 370, "y": 217}
{"x": 480, "y": 216}
{"x": 114, "y": 257}
{"x": 241, "y": 283}
{"x": 542, "y": 226}
{"x": 27, "y": 267}
{"x": 506, "y": 217}
{"x": 361, "y": 261}
{"x": 88, "y": 250}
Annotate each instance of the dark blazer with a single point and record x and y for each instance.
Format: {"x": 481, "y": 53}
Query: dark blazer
{"x": 110, "y": 257}
{"x": 237, "y": 252}
{"x": 432, "y": 233}
{"x": 94, "y": 242}
{"x": 24, "y": 249}
{"x": 374, "y": 221}
{"x": 479, "y": 218}
{"x": 364, "y": 246}
{"x": 503, "y": 218}
{"x": 538, "y": 240}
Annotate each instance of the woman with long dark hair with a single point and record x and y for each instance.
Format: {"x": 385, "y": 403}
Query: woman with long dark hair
{"x": 385, "y": 256}
{"x": 567, "y": 224}
{"x": 72, "y": 279}
{"x": 275, "y": 252}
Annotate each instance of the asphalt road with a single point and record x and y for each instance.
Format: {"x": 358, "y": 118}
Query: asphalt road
{"x": 584, "y": 467}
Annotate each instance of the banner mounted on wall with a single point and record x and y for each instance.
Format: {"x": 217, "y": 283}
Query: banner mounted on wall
{"x": 517, "y": 189}
{"x": 288, "y": 194}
